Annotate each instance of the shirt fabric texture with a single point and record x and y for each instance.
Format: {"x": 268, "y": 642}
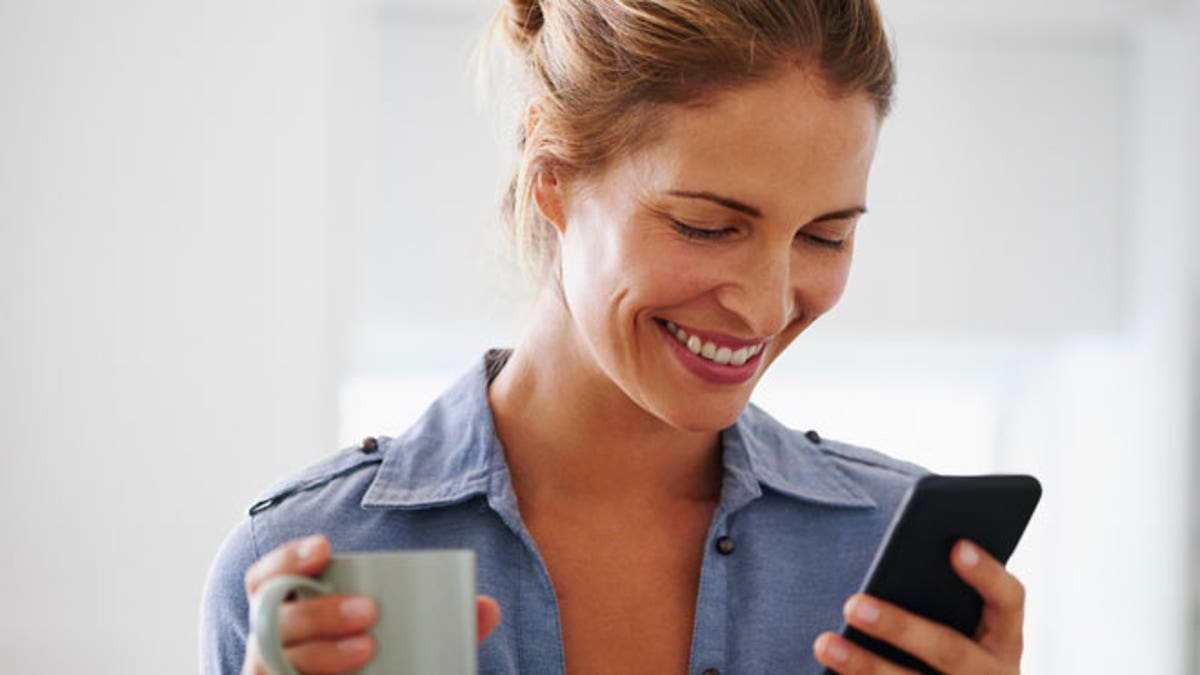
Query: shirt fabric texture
{"x": 804, "y": 516}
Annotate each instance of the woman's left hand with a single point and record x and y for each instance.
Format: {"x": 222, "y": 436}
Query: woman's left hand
{"x": 995, "y": 649}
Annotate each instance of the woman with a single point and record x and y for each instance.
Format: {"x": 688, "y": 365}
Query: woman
{"x": 690, "y": 179}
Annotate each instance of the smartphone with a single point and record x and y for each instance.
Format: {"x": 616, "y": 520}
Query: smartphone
{"x": 912, "y": 565}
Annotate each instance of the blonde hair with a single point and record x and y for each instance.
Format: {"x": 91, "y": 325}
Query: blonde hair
{"x": 598, "y": 70}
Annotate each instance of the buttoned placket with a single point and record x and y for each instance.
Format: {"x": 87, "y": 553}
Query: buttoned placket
{"x": 711, "y": 629}
{"x": 533, "y": 580}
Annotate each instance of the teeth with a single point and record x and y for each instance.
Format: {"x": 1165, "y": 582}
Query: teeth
{"x": 710, "y": 350}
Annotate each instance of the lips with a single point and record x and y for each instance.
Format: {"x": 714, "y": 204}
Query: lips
{"x": 721, "y": 352}
{"x": 714, "y": 357}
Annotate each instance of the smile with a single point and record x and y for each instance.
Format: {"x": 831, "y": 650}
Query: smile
{"x": 721, "y": 354}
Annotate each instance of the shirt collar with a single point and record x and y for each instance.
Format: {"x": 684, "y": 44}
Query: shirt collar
{"x": 759, "y": 451}
{"x": 451, "y": 454}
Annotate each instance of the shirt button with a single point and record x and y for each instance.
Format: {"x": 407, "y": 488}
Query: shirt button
{"x": 724, "y": 545}
{"x": 813, "y": 436}
{"x": 370, "y": 445}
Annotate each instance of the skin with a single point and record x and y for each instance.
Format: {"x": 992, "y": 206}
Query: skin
{"x": 607, "y": 434}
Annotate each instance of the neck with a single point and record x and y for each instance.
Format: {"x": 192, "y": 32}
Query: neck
{"x": 569, "y": 432}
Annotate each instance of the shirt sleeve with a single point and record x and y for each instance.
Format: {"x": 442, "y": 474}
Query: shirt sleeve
{"x": 224, "y": 612}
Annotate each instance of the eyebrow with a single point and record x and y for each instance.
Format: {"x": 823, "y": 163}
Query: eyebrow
{"x": 751, "y": 211}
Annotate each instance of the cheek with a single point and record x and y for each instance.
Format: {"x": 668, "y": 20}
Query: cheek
{"x": 602, "y": 267}
{"x": 669, "y": 275}
{"x": 625, "y": 268}
{"x": 826, "y": 288}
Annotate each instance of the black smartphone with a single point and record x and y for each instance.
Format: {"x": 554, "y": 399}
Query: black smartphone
{"x": 912, "y": 565}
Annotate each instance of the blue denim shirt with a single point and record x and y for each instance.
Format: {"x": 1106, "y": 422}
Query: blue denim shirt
{"x": 804, "y": 516}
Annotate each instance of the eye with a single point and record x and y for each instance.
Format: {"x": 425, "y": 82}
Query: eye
{"x": 701, "y": 233}
{"x": 831, "y": 234}
{"x": 822, "y": 241}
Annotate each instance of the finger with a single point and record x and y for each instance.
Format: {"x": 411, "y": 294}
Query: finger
{"x": 1000, "y": 625}
{"x": 936, "y": 644}
{"x": 327, "y": 616}
{"x": 332, "y": 656}
{"x": 487, "y": 615}
{"x": 305, "y": 557}
{"x": 326, "y": 657}
{"x": 843, "y": 656}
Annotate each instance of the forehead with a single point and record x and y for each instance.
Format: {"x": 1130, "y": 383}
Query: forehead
{"x": 781, "y": 143}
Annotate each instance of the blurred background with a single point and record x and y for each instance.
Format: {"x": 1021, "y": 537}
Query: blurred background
{"x": 235, "y": 236}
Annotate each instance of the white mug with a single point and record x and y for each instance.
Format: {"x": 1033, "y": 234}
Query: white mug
{"x": 426, "y": 599}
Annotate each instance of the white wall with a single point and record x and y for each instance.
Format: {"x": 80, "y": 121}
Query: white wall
{"x": 168, "y": 339}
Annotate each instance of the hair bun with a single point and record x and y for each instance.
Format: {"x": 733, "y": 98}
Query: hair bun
{"x": 524, "y": 21}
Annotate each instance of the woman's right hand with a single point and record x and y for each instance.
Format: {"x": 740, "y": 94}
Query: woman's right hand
{"x": 326, "y": 634}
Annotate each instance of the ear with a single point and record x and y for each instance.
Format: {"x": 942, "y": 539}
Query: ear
{"x": 548, "y": 192}
{"x": 548, "y": 195}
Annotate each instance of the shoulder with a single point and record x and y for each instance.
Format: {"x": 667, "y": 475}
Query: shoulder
{"x": 358, "y": 461}
{"x": 859, "y": 459}
{"x": 324, "y": 498}
{"x": 805, "y": 463}
{"x": 886, "y": 478}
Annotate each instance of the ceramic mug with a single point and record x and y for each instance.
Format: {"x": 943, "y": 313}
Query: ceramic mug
{"x": 426, "y": 621}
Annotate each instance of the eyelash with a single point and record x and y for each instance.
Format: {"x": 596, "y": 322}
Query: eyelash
{"x": 701, "y": 234}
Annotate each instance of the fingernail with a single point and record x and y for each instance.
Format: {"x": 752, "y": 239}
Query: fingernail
{"x": 357, "y": 607}
{"x": 354, "y": 645}
{"x": 308, "y": 547}
{"x": 834, "y": 650}
{"x": 968, "y": 554}
{"x": 864, "y": 610}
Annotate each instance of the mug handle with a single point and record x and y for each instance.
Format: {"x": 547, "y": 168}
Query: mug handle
{"x": 264, "y": 617}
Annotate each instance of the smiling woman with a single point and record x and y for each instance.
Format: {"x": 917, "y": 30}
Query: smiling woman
{"x": 687, "y": 194}
{"x": 735, "y": 224}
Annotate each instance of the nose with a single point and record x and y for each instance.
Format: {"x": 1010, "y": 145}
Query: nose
{"x": 761, "y": 292}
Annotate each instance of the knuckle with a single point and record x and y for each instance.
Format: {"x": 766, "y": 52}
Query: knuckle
{"x": 283, "y": 559}
{"x": 861, "y": 662}
{"x": 261, "y": 570}
{"x": 329, "y": 656}
{"x": 1008, "y": 594}
{"x": 304, "y": 619}
{"x": 253, "y": 577}
{"x": 894, "y": 627}
{"x": 321, "y": 617}
{"x": 868, "y": 665}
{"x": 1017, "y": 594}
{"x": 952, "y": 655}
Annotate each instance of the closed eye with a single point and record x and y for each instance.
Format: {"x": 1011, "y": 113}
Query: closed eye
{"x": 701, "y": 233}
{"x": 822, "y": 241}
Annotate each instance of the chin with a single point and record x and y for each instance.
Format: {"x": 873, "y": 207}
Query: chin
{"x": 703, "y": 418}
